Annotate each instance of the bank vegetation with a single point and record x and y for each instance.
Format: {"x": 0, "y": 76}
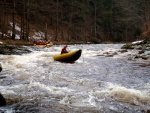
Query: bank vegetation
{"x": 76, "y": 20}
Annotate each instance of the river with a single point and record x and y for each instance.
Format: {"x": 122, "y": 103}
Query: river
{"x": 35, "y": 83}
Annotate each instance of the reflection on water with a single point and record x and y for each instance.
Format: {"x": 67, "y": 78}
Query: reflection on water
{"x": 34, "y": 82}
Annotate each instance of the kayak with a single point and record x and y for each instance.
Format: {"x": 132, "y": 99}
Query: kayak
{"x": 69, "y": 57}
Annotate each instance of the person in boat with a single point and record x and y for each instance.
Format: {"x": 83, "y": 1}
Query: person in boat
{"x": 34, "y": 41}
{"x": 64, "y": 49}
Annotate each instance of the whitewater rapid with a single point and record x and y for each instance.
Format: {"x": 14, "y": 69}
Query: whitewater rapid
{"x": 34, "y": 82}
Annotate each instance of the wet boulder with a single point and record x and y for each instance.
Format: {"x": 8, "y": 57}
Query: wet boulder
{"x": 2, "y": 100}
{"x": 139, "y": 45}
{"x": 0, "y": 67}
{"x": 148, "y": 111}
{"x": 139, "y": 42}
{"x": 13, "y": 50}
{"x": 142, "y": 47}
{"x": 141, "y": 52}
{"x": 143, "y": 56}
{"x": 127, "y": 46}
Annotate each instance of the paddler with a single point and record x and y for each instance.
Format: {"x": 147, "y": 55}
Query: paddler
{"x": 64, "y": 49}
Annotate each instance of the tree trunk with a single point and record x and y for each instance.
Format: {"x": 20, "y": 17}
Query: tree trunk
{"x": 95, "y": 19}
{"x": 46, "y": 31}
{"x": 27, "y": 22}
{"x": 56, "y": 38}
{"x": 13, "y": 29}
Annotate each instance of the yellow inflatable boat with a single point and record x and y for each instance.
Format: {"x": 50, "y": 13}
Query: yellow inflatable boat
{"x": 45, "y": 45}
{"x": 69, "y": 57}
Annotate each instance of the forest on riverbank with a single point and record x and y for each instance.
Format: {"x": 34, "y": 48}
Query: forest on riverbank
{"x": 75, "y": 20}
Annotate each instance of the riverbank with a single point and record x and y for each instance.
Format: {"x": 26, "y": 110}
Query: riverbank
{"x": 22, "y": 42}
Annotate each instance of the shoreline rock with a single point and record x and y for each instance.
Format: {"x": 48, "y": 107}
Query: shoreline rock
{"x": 0, "y": 67}
{"x": 2, "y": 100}
{"x": 142, "y": 47}
{"x": 13, "y": 50}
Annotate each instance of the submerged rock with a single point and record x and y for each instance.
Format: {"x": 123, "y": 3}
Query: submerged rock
{"x": 111, "y": 54}
{"x": 2, "y": 100}
{"x": 13, "y": 50}
{"x": 123, "y": 50}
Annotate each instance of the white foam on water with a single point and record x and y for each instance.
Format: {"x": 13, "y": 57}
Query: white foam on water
{"x": 131, "y": 95}
{"x": 127, "y": 95}
{"x": 10, "y": 110}
{"x": 90, "y": 100}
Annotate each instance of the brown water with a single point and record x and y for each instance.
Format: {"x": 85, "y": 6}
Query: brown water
{"x": 35, "y": 83}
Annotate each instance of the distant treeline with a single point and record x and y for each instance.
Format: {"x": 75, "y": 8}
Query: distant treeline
{"x": 78, "y": 20}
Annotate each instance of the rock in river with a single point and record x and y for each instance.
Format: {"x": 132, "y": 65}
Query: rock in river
{"x": 143, "y": 48}
{"x": 13, "y": 50}
{"x": 2, "y": 100}
{"x": 0, "y": 67}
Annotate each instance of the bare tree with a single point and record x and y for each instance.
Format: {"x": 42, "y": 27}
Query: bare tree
{"x": 13, "y": 16}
